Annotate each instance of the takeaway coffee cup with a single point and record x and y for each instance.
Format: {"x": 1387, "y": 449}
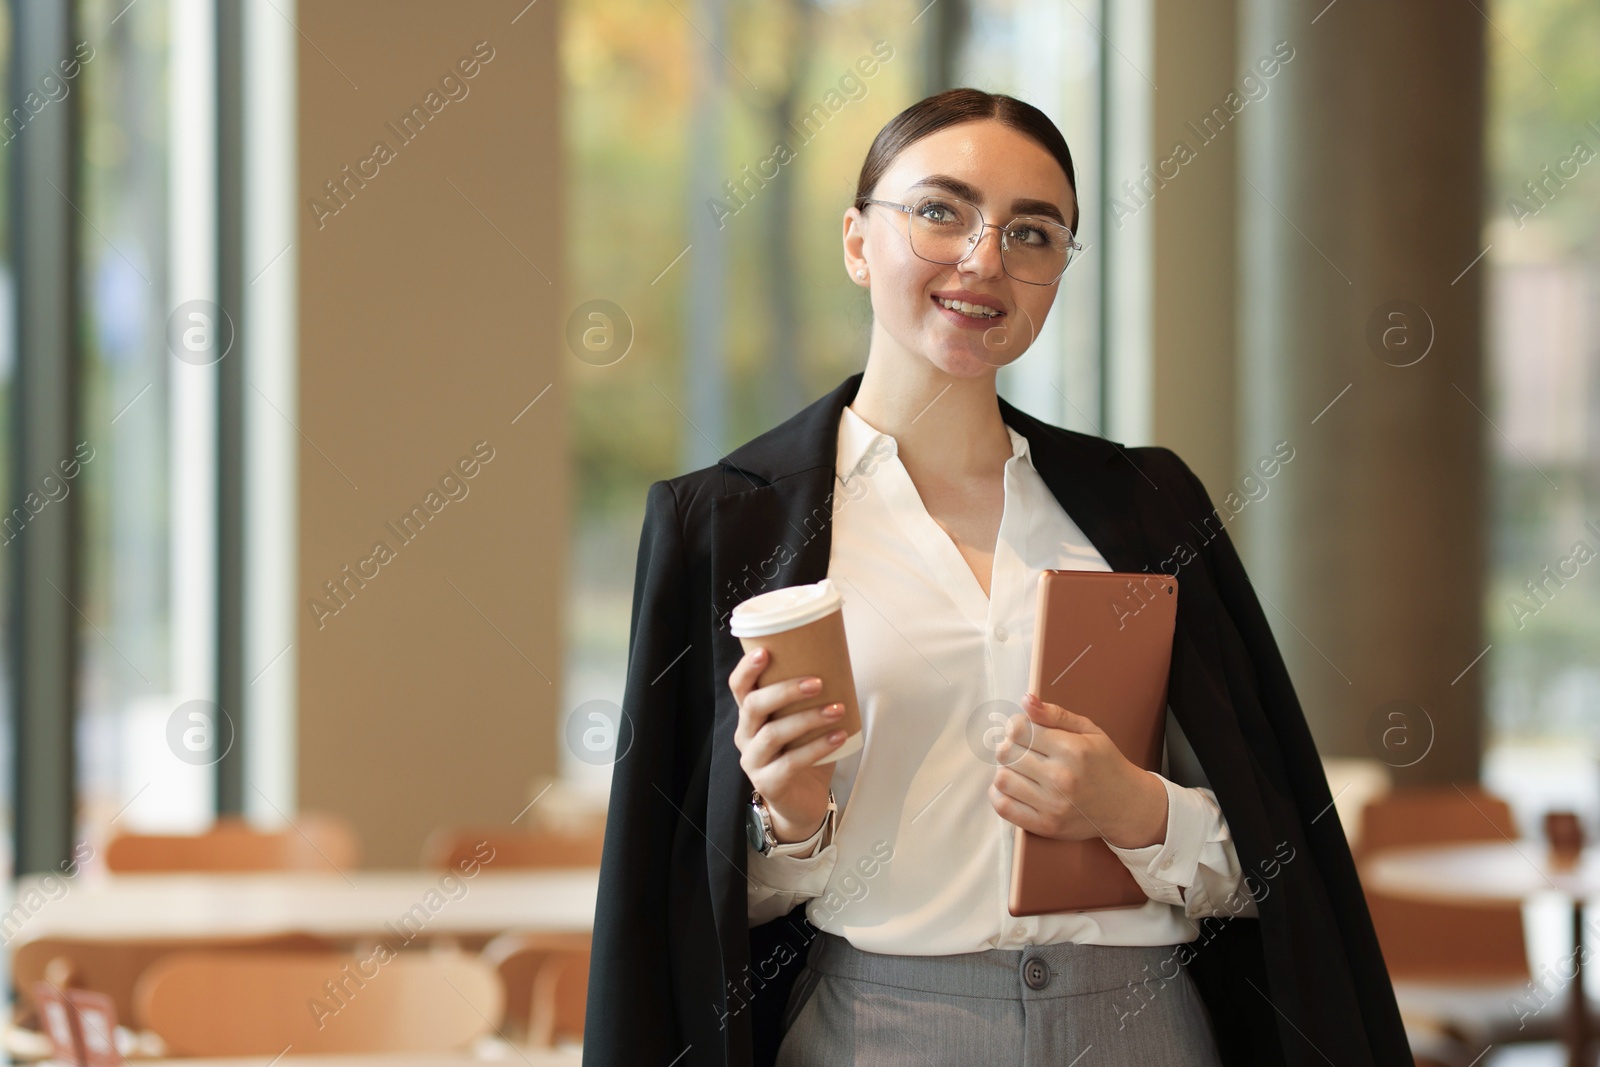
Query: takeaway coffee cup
{"x": 802, "y": 629}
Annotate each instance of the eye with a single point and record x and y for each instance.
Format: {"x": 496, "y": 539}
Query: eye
{"x": 1028, "y": 234}
{"x": 942, "y": 213}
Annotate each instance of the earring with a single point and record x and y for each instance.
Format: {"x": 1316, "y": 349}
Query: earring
{"x": 860, "y": 273}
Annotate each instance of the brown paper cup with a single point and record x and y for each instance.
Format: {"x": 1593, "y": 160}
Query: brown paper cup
{"x": 817, "y": 648}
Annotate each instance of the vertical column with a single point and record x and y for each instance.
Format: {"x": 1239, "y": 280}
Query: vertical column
{"x": 1127, "y": 310}
{"x": 1359, "y": 309}
{"x": 268, "y": 252}
{"x": 1188, "y": 185}
{"x": 43, "y": 548}
{"x": 705, "y": 347}
{"x": 230, "y": 473}
{"x": 433, "y": 479}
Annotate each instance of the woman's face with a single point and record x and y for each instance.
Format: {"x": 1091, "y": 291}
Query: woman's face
{"x": 1001, "y": 167}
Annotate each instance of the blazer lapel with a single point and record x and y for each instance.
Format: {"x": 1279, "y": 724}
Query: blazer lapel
{"x": 1083, "y": 475}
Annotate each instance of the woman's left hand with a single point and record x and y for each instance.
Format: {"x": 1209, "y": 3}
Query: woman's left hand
{"x": 1060, "y": 776}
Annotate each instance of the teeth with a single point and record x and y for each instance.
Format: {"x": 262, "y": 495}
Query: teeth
{"x": 975, "y": 310}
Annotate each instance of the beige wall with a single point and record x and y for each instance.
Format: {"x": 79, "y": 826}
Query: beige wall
{"x": 1353, "y": 182}
{"x": 430, "y": 315}
{"x": 1192, "y": 337}
{"x": 1373, "y": 148}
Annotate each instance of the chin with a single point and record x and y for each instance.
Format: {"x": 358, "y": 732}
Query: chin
{"x": 967, "y": 361}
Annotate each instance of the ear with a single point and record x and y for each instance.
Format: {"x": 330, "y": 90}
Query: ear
{"x": 855, "y": 246}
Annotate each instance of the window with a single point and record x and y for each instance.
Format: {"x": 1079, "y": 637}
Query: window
{"x": 1050, "y": 55}
{"x": 1543, "y": 305}
{"x": 127, "y": 164}
{"x": 8, "y": 365}
{"x": 132, "y": 395}
{"x": 730, "y": 163}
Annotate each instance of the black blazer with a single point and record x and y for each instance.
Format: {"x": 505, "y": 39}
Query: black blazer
{"x": 678, "y": 976}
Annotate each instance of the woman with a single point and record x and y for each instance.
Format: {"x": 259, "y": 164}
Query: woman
{"x": 869, "y": 925}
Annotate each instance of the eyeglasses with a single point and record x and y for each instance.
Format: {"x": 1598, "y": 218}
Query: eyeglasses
{"x": 946, "y": 229}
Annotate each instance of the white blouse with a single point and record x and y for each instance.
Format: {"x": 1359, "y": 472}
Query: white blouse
{"x": 921, "y": 862}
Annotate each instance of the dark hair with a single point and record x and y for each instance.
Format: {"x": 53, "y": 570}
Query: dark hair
{"x": 962, "y": 105}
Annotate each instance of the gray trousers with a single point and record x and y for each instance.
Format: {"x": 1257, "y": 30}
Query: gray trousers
{"x": 1044, "y": 1006}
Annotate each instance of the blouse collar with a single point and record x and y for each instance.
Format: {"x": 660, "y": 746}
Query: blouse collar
{"x": 857, "y": 437}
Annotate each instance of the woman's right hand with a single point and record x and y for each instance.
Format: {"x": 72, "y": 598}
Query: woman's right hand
{"x": 793, "y": 785}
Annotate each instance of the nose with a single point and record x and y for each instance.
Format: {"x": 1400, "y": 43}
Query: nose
{"x": 984, "y": 258}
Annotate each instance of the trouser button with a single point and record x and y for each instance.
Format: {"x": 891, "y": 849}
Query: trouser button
{"x": 1036, "y": 973}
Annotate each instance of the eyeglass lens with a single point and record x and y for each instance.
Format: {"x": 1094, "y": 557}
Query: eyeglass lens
{"x": 944, "y": 230}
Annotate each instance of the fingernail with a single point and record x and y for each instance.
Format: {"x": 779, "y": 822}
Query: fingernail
{"x": 836, "y": 736}
{"x": 811, "y": 685}
{"x": 833, "y": 711}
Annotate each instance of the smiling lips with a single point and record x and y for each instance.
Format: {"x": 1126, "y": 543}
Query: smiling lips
{"x": 968, "y": 310}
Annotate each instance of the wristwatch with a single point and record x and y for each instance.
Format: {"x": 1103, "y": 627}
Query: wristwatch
{"x": 758, "y": 824}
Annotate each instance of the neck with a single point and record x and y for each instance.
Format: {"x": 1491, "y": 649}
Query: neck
{"x": 943, "y": 425}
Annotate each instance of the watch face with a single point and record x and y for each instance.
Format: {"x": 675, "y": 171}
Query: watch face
{"x": 753, "y": 828}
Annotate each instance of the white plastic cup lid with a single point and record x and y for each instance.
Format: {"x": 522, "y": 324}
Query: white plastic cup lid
{"x": 785, "y": 609}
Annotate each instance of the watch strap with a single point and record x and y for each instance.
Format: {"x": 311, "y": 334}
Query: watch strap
{"x": 807, "y": 848}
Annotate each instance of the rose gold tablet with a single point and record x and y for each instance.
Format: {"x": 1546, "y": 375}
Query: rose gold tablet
{"x": 1102, "y": 647}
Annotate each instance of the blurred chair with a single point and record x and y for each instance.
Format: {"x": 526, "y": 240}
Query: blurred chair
{"x": 450, "y": 847}
{"x": 315, "y": 842}
{"x": 545, "y": 976}
{"x": 114, "y": 967}
{"x": 560, "y": 996}
{"x": 1457, "y": 969}
{"x": 257, "y": 1003}
{"x": 558, "y": 804}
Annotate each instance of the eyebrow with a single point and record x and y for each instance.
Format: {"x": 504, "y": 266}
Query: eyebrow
{"x": 957, "y": 187}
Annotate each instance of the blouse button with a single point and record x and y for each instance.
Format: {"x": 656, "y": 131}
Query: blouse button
{"x": 1000, "y": 633}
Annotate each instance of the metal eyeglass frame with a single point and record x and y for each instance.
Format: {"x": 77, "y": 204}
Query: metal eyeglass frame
{"x": 973, "y": 241}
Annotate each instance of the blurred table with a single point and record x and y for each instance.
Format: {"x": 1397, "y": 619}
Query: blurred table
{"x": 1501, "y": 873}
{"x": 356, "y": 905}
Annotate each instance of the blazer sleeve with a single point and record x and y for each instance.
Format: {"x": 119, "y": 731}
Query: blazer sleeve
{"x": 1243, "y": 606}
{"x": 630, "y": 973}
{"x": 1319, "y": 822}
